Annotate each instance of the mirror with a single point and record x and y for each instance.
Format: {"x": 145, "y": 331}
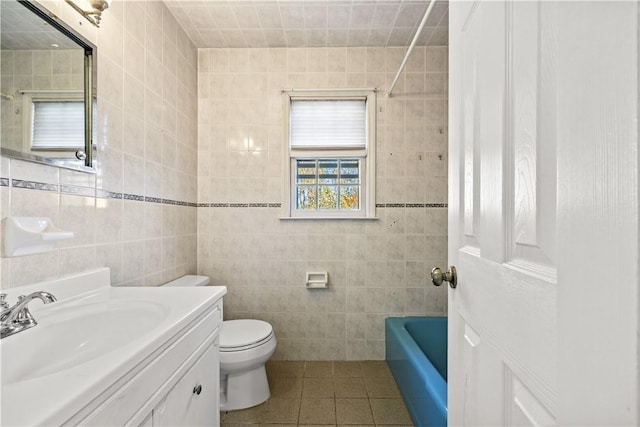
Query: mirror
{"x": 47, "y": 90}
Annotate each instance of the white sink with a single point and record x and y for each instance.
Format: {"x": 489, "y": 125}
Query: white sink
{"x": 71, "y": 334}
{"x": 94, "y": 336}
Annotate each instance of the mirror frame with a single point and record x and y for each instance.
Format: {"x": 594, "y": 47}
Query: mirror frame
{"x": 90, "y": 79}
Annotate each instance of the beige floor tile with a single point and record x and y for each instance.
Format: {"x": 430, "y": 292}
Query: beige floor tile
{"x": 353, "y": 411}
{"x": 317, "y": 411}
{"x": 375, "y": 368}
{"x": 382, "y": 387}
{"x": 389, "y": 411}
{"x": 318, "y": 387}
{"x": 346, "y": 369}
{"x": 286, "y": 387}
{"x": 282, "y": 369}
{"x": 365, "y": 392}
{"x": 280, "y": 410}
{"x": 350, "y": 387}
{"x": 250, "y": 415}
{"x": 318, "y": 369}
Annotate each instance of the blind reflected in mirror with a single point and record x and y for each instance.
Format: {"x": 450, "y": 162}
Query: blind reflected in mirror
{"x": 48, "y": 112}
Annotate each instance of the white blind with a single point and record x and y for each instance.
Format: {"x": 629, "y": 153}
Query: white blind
{"x": 58, "y": 125}
{"x": 333, "y": 124}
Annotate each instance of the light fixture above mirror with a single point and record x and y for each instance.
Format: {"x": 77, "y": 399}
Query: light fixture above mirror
{"x": 90, "y": 9}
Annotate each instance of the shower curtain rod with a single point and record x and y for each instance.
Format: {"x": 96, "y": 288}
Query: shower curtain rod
{"x": 411, "y": 46}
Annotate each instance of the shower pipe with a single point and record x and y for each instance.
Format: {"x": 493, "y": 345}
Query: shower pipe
{"x": 411, "y": 46}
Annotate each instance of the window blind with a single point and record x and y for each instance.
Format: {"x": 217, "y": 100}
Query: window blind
{"x": 58, "y": 125}
{"x": 336, "y": 124}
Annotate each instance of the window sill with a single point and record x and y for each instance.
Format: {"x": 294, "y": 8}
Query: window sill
{"x": 315, "y": 218}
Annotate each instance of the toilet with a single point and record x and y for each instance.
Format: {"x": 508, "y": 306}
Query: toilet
{"x": 245, "y": 347}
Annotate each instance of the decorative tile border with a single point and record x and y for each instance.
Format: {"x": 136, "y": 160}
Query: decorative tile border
{"x": 89, "y": 192}
{"x": 240, "y": 205}
{"x": 279, "y": 205}
{"x": 104, "y": 194}
{"x": 78, "y": 191}
{"x": 135, "y": 197}
{"x": 33, "y": 185}
{"x": 412, "y": 205}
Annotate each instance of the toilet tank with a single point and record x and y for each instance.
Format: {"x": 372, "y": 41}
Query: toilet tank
{"x": 190, "y": 280}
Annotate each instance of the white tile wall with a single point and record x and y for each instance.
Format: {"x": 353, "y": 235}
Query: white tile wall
{"x": 147, "y": 146}
{"x": 167, "y": 111}
{"x": 377, "y": 268}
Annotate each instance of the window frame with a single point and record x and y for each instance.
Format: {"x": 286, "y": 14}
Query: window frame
{"x": 367, "y": 156}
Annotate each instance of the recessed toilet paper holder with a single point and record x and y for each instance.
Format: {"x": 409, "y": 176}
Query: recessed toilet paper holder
{"x": 317, "y": 280}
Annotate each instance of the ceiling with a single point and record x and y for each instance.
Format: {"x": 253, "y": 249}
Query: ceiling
{"x": 310, "y": 23}
{"x": 22, "y": 29}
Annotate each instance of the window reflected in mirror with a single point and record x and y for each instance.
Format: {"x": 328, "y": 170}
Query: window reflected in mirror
{"x": 46, "y": 70}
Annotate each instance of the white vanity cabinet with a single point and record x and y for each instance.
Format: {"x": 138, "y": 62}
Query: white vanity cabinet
{"x": 178, "y": 385}
{"x": 191, "y": 401}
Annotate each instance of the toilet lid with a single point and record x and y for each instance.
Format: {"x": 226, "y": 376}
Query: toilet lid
{"x": 243, "y": 333}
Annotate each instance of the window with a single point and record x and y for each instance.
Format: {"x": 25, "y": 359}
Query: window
{"x": 330, "y": 154}
{"x": 328, "y": 184}
{"x": 54, "y": 121}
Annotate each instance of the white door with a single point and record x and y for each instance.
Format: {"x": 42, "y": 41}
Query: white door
{"x": 543, "y": 213}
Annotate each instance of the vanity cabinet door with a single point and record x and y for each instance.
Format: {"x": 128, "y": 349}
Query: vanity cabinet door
{"x": 194, "y": 400}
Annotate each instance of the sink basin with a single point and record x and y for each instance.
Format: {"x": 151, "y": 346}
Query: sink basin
{"x": 69, "y": 335}
{"x": 91, "y": 360}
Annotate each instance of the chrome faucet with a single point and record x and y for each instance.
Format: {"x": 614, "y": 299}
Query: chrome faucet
{"x": 18, "y": 318}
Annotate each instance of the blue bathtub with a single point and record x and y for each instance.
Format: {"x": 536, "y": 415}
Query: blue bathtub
{"x": 416, "y": 350}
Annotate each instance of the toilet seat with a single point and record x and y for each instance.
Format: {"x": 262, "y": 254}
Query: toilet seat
{"x": 244, "y": 334}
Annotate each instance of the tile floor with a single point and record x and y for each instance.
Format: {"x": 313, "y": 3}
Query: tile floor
{"x": 326, "y": 394}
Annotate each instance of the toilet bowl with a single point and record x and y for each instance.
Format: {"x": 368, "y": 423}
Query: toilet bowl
{"x": 245, "y": 346}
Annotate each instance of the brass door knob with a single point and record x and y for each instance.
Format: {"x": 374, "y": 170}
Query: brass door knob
{"x": 451, "y": 276}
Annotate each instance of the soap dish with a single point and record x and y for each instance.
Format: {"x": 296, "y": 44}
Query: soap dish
{"x": 30, "y": 235}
